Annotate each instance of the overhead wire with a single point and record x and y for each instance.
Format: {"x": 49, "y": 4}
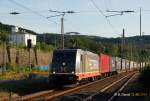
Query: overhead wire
{"x": 35, "y": 12}
{"x": 38, "y": 14}
{"x": 97, "y": 7}
{"x": 101, "y": 12}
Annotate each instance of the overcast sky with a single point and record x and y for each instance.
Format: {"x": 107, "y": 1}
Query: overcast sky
{"x": 88, "y": 19}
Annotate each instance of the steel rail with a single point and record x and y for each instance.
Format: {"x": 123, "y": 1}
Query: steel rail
{"x": 47, "y": 95}
{"x": 77, "y": 88}
{"x": 121, "y": 88}
{"x": 107, "y": 87}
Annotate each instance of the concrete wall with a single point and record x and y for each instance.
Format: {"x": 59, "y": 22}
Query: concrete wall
{"x": 43, "y": 58}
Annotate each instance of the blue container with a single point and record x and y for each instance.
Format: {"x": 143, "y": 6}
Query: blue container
{"x": 44, "y": 68}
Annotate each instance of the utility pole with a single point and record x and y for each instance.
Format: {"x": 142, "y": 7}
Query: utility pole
{"x": 29, "y": 46}
{"x": 122, "y": 48}
{"x": 62, "y": 30}
{"x": 30, "y": 60}
{"x": 123, "y": 35}
{"x": 62, "y": 14}
{"x": 4, "y": 59}
{"x": 140, "y": 39}
{"x": 17, "y": 55}
{"x": 131, "y": 54}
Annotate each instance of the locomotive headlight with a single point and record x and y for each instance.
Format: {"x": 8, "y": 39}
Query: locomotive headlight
{"x": 54, "y": 72}
{"x": 72, "y": 72}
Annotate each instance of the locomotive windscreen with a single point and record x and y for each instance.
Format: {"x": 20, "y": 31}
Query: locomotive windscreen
{"x": 63, "y": 61}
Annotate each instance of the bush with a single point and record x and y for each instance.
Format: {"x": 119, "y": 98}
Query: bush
{"x": 43, "y": 46}
{"x": 16, "y": 68}
{"x": 10, "y": 67}
{"x": 36, "y": 68}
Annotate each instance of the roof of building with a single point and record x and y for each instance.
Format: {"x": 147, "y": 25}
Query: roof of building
{"x": 23, "y": 33}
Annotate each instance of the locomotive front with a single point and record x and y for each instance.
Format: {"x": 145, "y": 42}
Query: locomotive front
{"x": 62, "y": 70}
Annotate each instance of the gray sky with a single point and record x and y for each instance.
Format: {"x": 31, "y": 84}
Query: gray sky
{"x": 88, "y": 19}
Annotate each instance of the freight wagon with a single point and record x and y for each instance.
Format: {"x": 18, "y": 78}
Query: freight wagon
{"x": 113, "y": 65}
{"x": 123, "y": 65}
{"x": 135, "y": 65}
{"x": 131, "y": 65}
{"x": 104, "y": 61}
{"x": 118, "y": 64}
{"x": 127, "y": 64}
{"x": 143, "y": 64}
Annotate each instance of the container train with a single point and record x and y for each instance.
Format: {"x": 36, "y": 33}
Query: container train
{"x": 70, "y": 66}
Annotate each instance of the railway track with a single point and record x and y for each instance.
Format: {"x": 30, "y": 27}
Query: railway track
{"x": 119, "y": 92}
{"x": 111, "y": 91}
{"x": 89, "y": 92}
{"x": 82, "y": 92}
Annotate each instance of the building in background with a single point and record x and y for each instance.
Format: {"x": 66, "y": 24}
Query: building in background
{"x": 21, "y": 37}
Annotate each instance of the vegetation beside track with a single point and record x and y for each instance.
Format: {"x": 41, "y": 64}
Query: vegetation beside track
{"x": 23, "y": 72}
{"x": 19, "y": 76}
{"x": 30, "y": 84}
{"x": 144, "y": 78}
{"x": 13, "y": 76}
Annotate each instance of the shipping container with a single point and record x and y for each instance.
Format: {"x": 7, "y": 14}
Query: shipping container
{"x": 104, "y": 63}
{"x": 127, "y": 64}
{"x": 138, "y": 65}
{"x": 123, "y": 64}
{"x": 112, "y": 64}
{"x": 143, "y": 64}
{"x": 87, "y": 64}
{"x": 80, "y": 61}
{"x": 91, "y": 62}
{"x": 131, "y": 65}
{"x": 118, "y": 63}
{"x": 134, "y": 64}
